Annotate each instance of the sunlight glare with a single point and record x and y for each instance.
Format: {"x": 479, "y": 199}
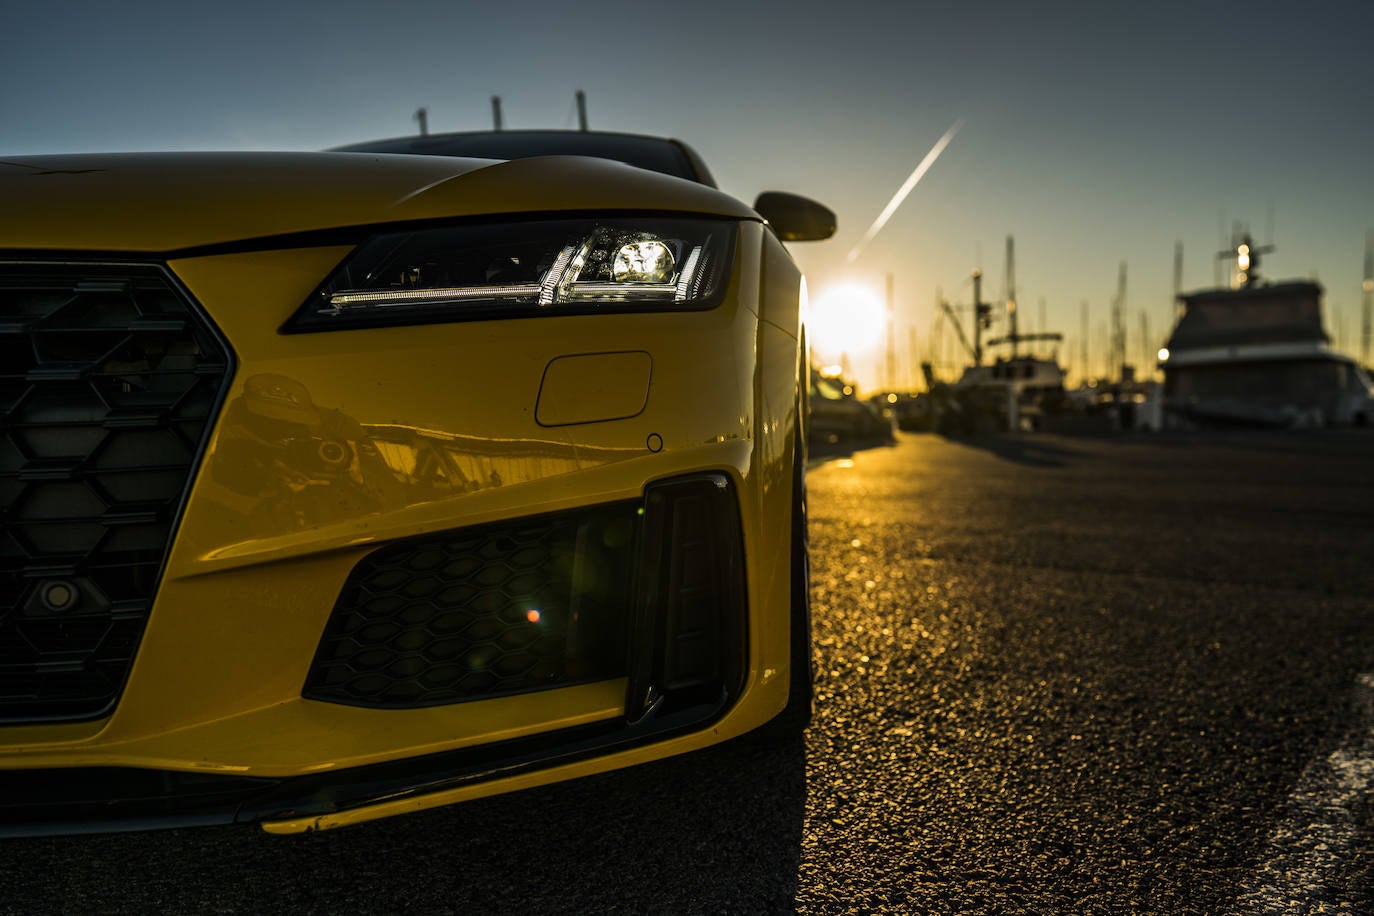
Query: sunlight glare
{"x": 849, "y": 318}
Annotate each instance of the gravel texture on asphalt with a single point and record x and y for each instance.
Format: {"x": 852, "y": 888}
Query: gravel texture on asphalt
{"x": 1077, "y": 676}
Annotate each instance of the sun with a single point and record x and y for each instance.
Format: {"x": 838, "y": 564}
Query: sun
{"x": 846, "y": 318}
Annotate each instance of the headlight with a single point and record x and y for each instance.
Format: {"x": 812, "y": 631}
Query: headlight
{"x": 523, "y": 269}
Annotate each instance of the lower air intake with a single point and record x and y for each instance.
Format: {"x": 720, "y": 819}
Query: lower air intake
{"x": 651, "y": 591}
{"x": 482, "y": 612}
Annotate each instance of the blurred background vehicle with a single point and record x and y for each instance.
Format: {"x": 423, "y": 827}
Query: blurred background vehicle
{"x": 838, "y": 416}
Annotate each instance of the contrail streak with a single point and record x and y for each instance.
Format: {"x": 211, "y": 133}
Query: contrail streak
{"x": 905, "y": 189}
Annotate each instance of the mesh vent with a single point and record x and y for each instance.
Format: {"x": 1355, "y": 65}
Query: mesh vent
{"x": 487, "y": 611}
{"x": 108, "y": 380}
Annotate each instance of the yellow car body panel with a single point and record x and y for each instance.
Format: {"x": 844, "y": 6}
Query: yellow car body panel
{"x": 262, "y": 551}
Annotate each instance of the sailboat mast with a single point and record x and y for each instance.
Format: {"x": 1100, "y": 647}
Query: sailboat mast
{"x": 1367, "y": 306}
{"x": 891, "y": 379}
{"x": 1085, "y": 368}
{"x": 1010, "y": 296}
{"x": 1119, "y": 326}
{"x": 1178, "y": 280}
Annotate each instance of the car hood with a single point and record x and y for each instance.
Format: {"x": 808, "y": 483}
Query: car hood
{"x": 165, "y": 202}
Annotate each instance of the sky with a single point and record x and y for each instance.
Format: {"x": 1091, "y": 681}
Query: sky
{"x": 1092, "y": 132}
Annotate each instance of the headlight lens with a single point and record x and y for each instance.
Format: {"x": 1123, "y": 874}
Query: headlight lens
{"x": 522, "y": 269}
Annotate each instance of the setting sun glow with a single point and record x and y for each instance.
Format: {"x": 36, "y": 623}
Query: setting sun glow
{"x": 848, "y": 318}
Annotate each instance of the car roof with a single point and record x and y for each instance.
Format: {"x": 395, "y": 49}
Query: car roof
{"x": 657, "y": 154}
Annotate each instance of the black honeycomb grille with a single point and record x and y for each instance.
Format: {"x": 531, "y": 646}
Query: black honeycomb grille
{"x": 108, "y": 380}
{"x": 481, "y": 612}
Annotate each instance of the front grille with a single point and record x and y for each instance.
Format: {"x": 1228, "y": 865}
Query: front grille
{"x": 482, "y": 612}
{"x": 109, "y": 378}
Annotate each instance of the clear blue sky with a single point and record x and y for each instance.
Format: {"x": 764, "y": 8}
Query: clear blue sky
{"x": 1094, "y": 132}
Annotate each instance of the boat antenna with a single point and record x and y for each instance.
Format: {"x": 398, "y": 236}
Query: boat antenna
{"x": 982, "y": 317}
{"x": 421, "y": 115}
{"x": 1246, "y": 257}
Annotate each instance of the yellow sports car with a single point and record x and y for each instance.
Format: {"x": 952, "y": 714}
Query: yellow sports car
{"x": 339, "y": 485}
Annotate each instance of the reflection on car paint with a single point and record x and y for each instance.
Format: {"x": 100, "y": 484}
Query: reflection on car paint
{"x": 283, "y": 460}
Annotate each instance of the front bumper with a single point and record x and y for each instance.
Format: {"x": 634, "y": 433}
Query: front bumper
{"x": 681, "y": 670}
{"x": 332, "y": 446}
{"x": 111, "y": 799}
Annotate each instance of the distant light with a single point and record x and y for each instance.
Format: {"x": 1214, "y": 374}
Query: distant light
{"x": 1163, "y": 354}
{"x": 1243, "y": 258}
{"x": 892, "y": 399}
{"x": 533, "y": 616}
{"x": 848, "y": 389}
{"x": 832, "y": 371}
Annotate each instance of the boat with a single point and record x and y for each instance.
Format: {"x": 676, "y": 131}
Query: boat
{"x": 1020, "y": 389}
{"x": 1013, "y": 393}
{"x": 1257, "y": 354}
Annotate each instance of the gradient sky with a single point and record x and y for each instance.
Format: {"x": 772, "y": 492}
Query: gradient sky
{"x": 1093, "y": 132}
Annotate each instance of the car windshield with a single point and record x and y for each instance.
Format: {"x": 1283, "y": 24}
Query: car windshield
{"x": 652, "y": 153}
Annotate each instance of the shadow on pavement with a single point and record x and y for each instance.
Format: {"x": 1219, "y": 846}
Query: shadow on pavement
{"x": 714, "y": 831}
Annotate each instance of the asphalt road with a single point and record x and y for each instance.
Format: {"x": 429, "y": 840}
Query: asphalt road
{"x": 1055, "y": 675}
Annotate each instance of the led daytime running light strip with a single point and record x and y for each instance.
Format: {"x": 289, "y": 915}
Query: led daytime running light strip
{"x": 358, "y": 298}
{"x": 622, "y": 291}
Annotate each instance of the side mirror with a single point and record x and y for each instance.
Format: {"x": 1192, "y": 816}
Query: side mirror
{"x": 795, "y": 218}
